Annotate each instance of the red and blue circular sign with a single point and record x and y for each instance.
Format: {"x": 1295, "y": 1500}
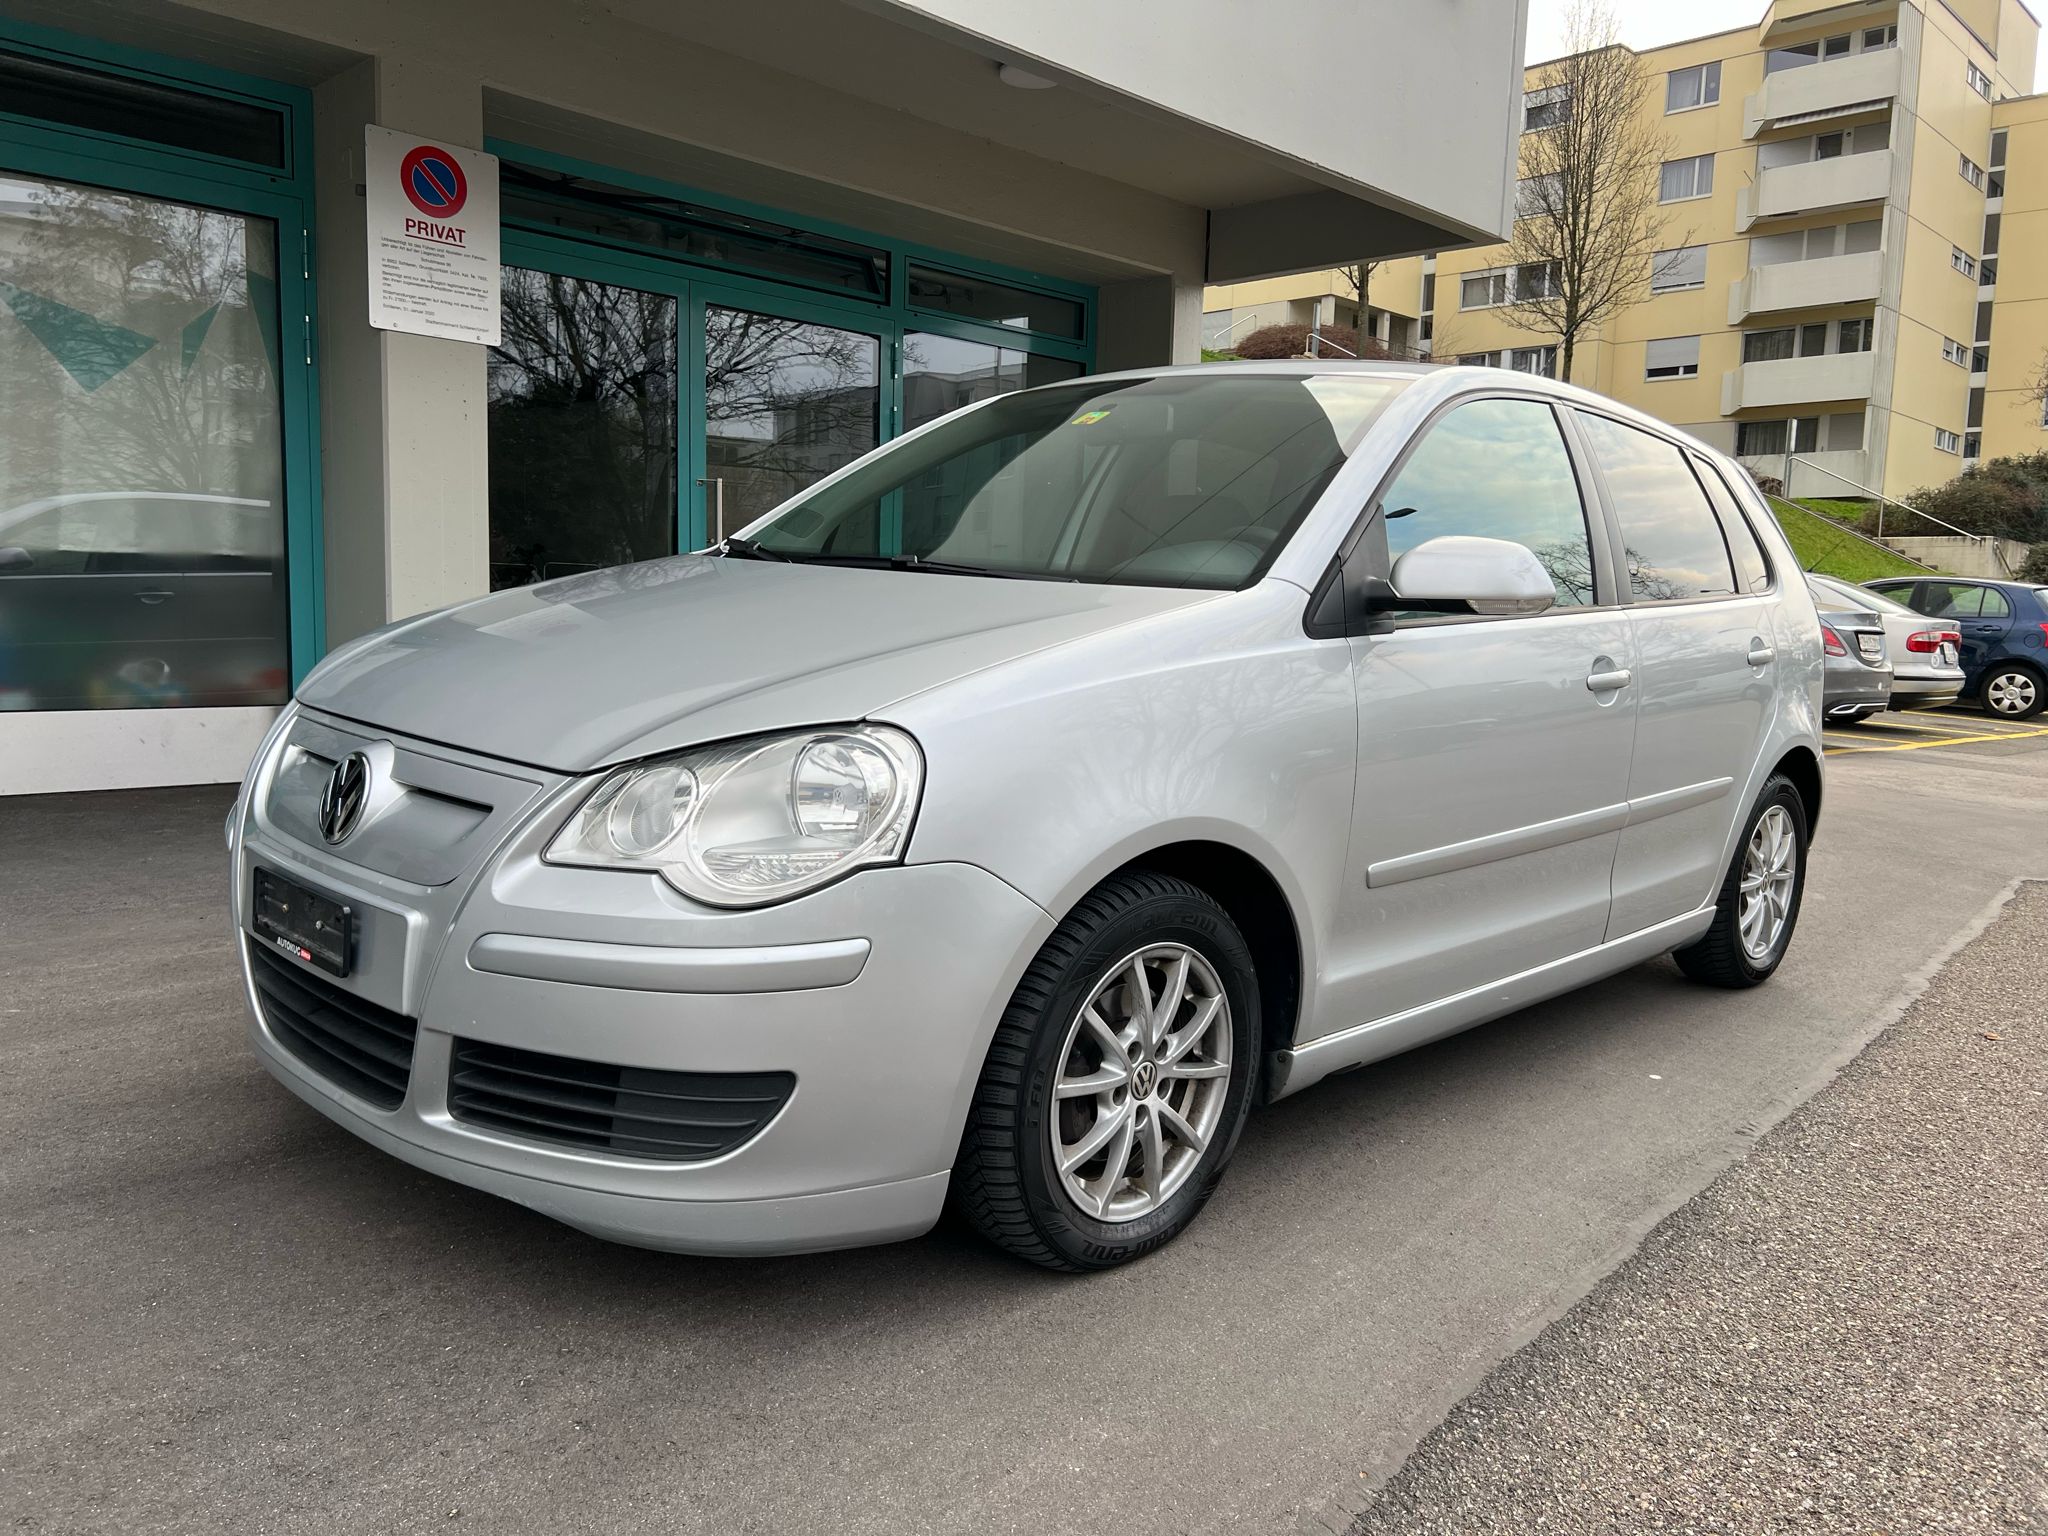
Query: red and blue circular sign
{"x": 433, "y": 182}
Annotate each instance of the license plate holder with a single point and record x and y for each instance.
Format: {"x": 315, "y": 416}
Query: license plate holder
{"x": 314, "y": 928}
{"x": 1948, "y": 654}
{"x": 1870, "y": 647}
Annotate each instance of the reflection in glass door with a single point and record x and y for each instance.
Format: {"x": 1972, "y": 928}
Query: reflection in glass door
{"x": 786, "y": 402}
{"x": 142, "y": 549}
{"x": 582, "y": 427}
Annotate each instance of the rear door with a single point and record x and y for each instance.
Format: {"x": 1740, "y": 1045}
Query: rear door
{"x": 1982, "y": 616}
{"x": 1705, "y": 649}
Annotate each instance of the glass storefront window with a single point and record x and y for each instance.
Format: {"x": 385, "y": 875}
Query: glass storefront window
{"x": 582, "y": 409}
{"x": 77, "y": 97}
{"x": 943, "y": 373}
{"x": 786, "y": 402}
{"x": 142, "y": 558}
{"x": 981, "y": 298}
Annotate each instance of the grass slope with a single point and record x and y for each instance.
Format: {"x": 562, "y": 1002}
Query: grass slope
{"x": 1822, "y": 545}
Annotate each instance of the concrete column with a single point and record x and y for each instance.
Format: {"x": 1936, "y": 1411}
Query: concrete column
{"x": 405, "y": 480}
{"x": 1146, "y": 321}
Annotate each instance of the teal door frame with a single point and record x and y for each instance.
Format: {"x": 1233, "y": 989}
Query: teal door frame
{"x": 284, "y": 195}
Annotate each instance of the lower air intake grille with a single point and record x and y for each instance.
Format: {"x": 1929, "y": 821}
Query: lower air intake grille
{"x": 677, "y": 1117}
{"x": 353, "y": 1043}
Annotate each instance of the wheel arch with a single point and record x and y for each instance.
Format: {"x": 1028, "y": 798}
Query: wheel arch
{"x": 1802, "y": 767}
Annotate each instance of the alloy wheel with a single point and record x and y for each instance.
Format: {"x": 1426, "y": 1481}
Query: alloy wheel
{"x": 1769, "y": 868}
{"x": 1142, "y": 1079}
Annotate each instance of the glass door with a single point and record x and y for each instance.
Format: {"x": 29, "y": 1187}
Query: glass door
{"x": 142, "y": 465}
{"x": 583, "y": 398}
{"x": 789, "y": 395}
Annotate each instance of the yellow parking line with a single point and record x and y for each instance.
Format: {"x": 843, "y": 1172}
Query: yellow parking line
{"x": 1943, "y": 741}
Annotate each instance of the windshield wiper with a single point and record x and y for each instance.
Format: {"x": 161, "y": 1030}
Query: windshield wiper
{"x": 752, "y": 549}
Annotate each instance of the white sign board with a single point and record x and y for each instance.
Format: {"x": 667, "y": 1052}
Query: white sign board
{"x": 433, "y": 216}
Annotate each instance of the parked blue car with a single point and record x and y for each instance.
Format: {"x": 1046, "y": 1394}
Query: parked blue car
{"x": 2004, "y": 625}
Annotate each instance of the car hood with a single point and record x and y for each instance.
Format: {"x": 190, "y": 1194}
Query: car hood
{"x": 594, "y": 669}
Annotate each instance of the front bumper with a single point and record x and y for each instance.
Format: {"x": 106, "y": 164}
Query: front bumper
{"x": 880, "y": 995}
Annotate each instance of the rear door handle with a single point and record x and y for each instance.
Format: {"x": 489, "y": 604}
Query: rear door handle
{"x": 1607, "y": 682}
{"x": 1761, "y": 655}
{"x": 156, "y": 596}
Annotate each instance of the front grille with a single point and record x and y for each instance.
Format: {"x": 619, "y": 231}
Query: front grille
{"x": 351, "y": 1042}
{"x": 629, "y": 1111}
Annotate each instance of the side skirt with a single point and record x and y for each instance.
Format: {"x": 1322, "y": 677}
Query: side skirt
{"x": 1291, "y": 1071}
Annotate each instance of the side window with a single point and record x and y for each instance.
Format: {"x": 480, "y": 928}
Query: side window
{"x": 1953, "y": 600}
{"x": 1752, "y": 570}
{"x": 1497, "y": 469}
{"x": 1995, "y": 605}
{"x": 1899, "y": 592}
{"x": 1672, "y": 538}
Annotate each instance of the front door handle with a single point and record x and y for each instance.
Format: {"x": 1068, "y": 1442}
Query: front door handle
{"x": 1608, "y": 681}
{"x": 155, "y": 596}
{"x": 1761, "y": 655}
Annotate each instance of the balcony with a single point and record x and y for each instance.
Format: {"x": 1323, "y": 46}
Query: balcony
{"x": 1813, "y": 284}
{"x": 1797, "y": 381}
{"x": 1815, "y": 186}
{"x": 1841, "y": 473}
{"x": 1840, "y": 86}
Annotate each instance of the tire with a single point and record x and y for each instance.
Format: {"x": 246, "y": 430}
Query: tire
{"x": 2012, "y": 693}
{"x": 1723, "y": 957}
{"x": 1008, "y": 1181}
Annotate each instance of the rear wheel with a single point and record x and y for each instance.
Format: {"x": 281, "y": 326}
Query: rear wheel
{"x": 1118, "y": 1080}
{"x": 2014, "y": 693}
{"x": 1759, "y": 902}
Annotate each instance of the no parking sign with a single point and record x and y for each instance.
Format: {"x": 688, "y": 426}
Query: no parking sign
{"x": 433, "y": 228}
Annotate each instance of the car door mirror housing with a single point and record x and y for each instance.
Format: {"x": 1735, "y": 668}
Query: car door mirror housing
{"x": 1494, "y": 577}
{"x": 14, "y": 558}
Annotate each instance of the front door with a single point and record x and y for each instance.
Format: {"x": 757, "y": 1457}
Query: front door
{"x": 1706, "y": 651}
{"x": 1493, "y": 753}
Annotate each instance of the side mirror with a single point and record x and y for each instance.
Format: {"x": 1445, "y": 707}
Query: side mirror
{"x": 1489, "y": 576}
{"x": 14, "y": 558}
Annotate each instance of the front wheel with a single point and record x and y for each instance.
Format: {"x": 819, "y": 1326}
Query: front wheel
{"x": 1759, "y": 902}
{"x": 2013, "y": 693}
{"x": 1118, "y": 1080}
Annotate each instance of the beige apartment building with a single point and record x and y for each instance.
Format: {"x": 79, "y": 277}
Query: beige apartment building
{"x": 1831, "y": 304}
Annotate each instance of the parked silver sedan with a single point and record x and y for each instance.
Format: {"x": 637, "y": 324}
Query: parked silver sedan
{"x": 1857, "y": 682}
{"x": 1006, "y": 816}
{"x": 1925, "y": 656}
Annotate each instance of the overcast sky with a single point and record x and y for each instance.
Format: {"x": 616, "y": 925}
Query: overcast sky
{"x": 1649, "y": 23}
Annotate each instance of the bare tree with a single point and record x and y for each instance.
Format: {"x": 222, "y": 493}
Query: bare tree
{"x": 1358, "y": 278}
{"x": 1587, "y": 227}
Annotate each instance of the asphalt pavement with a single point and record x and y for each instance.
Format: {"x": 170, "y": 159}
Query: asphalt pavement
{"x": 1847, "y": 1332}
{"x": 225, "y": 1314}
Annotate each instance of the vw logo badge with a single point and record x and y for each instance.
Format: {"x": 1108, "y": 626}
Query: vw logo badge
{"x": 341, "y": 802}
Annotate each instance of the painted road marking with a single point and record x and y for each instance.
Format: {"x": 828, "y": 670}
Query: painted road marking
{"x": 1941, "y": 741}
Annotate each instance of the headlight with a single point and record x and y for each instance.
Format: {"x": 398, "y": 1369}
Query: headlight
{"x": 749, "y": 822}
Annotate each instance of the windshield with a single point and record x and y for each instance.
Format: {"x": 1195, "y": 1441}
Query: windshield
{"x": 1182, "y": 480}
{"x": 1836, "y": 598}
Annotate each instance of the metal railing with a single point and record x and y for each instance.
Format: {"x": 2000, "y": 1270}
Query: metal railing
{"x": 1883, "y": 501}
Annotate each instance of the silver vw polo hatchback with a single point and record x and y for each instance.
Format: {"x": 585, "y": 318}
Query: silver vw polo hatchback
{"x": 1006, "y": 816}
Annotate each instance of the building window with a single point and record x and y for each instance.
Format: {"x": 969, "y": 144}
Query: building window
{"x": 1980, "y": 359}
{"x": 1483, "y": 290}
{"x": 1676, "y": 270}
{"x": 1853, "y": 335}
{"x": 1979, "y": 81}
{"x": 1971, "y": 171}
{"x": 1681, "y": 179}
{"x": 1760, "y": 439}
{"x": 1875, "y": 38}
{"x": 1541, "y": 361}
{"x": 1672, "y": 357}
{"x": 1962, "y": 261}
{"x": 1955, "y": 352}
{"x": 1699, "y": 86}
{"x": 1547, "y": 108}
{"x": 1946, "y": 441}
{"x": 1537, "y": 194}
{"x": 1845, "y": 432}
{"x": 1538, "y": 280}
{"x": 1973, "y": 445}
{"x": 1997, "y": 160}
